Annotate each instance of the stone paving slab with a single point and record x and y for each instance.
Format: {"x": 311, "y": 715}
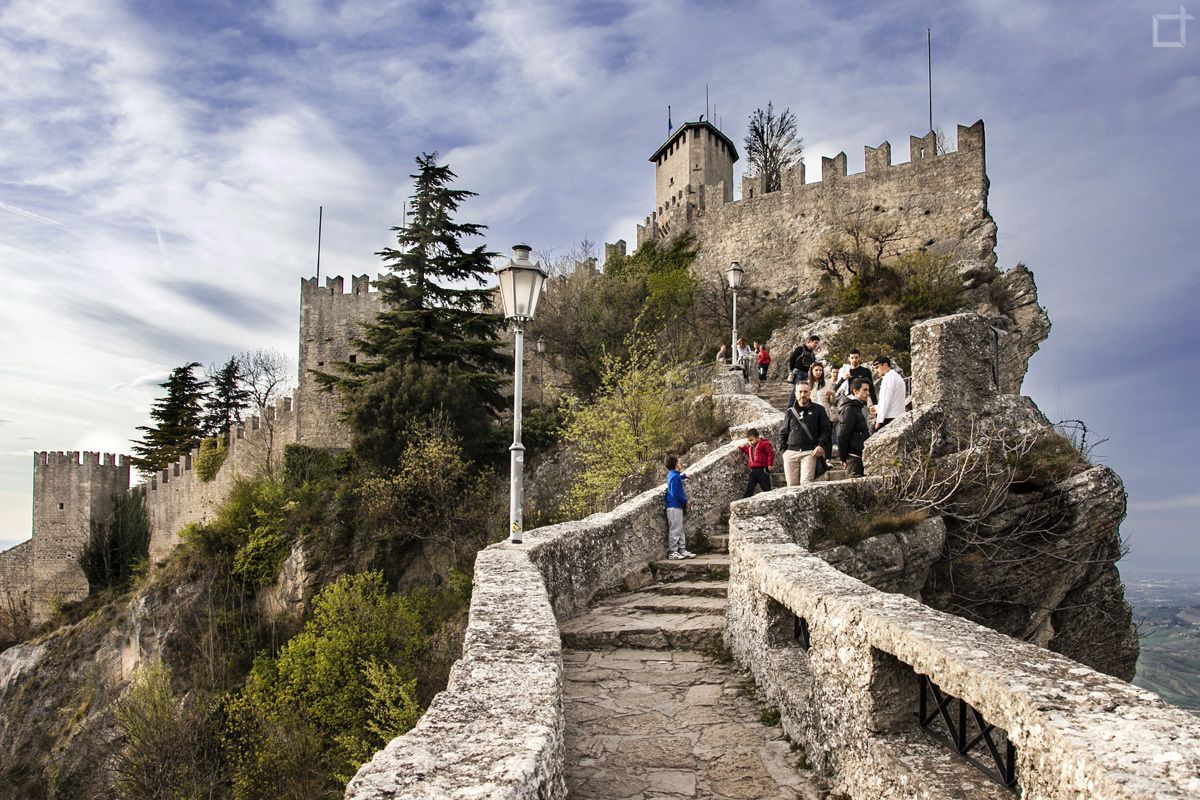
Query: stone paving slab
{"x": 710, "y": 565}
{"x": 608, "y": 627}
{"x": 705, "y": 588}
{"x": 661, "y": 724}
{"x": 674, "y": 603}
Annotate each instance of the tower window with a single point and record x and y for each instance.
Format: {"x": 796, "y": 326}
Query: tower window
{"x": 60, "y": 506}
{"x": 320, "y": 363}
{"x": 353, "y": 358}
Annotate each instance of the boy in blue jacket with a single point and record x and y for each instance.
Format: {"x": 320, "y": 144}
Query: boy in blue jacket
{"x": 677, "y": 503}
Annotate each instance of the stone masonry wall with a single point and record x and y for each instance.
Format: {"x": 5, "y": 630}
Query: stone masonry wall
{"x": 70, "y": 492}
{"x": 938, "y": 201}
{"x": 848, "y": 696}
{"x": 176, "y": 496}
{"x": 330, "y": 319}
{"x": 15, "y": 566}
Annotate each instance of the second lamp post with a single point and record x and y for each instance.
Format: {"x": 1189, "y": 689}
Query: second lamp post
{"x": 734, "y": 273}
{"x": 521, "y": 283}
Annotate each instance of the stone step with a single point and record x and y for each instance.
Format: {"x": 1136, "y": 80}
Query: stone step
{"x": 698, "y": 588}
{"x": 714, "y": 566}
{"x": 718, "y": 542}
{"x": 608, "y": 628}
{"x": 667, "y": 603}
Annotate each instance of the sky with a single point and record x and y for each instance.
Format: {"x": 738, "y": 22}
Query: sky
{"x": 162, "y": 165}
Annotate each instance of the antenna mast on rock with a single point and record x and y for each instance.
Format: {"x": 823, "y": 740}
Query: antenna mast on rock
{"x": 320, "y": 224}
{"x": 929, "y": 68}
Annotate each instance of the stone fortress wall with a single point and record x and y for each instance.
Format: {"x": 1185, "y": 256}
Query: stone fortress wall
{"x": 72, "y": 489}
{"x": 937, "y": 201}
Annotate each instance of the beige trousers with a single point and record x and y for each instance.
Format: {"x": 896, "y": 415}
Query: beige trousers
{"x": 799, "y": 467}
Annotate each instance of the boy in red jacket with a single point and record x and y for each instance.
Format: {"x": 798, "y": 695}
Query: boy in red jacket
{"x": 760, "y": 457}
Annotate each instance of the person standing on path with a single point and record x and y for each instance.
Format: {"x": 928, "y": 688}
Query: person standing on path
{"x": 677, "y": 505}
{"x": 853, "y": 431}
{"x": 891, "y": 392}
{"x": 764, "y": 362}
{"x": 760, "y": 457}
{"x": 853, "y": 368}
{"x": 802, "y": 358}
{"x": 806, "y": 438}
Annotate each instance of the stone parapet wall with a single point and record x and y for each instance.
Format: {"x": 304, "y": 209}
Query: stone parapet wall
{"x": 496, "y": 731}
{"x": 849, "y": 698}
{"x": 16, "y": 564}
{"x": 176, "y": 496}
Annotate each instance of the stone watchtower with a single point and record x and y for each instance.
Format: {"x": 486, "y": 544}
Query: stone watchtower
{"x": 695, "y": 155}
{"x": 330, "y": 320}
{"x": 71, "y": 491}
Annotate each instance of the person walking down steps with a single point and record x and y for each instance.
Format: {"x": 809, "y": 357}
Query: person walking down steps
{"x": 807, "y": 439}
{"x": 677, "y": 504}
{"x": 760, "y": 457}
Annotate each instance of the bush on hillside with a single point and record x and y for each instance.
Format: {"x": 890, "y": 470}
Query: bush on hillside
{"x": 210, "y": 458}
{"x": 930, "y": 285}
{"x": 118, "y": 545}
{"x": 874, "y": 330}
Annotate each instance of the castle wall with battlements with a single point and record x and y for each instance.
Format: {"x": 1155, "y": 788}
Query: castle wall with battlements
{"x": 330, "y": 320}
{"x": 71, "y": 490}
{"x": 937, "y": 201}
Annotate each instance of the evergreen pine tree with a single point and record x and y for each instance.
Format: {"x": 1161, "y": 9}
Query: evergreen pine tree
{"x": 436, "y": 304}
{"x": 179, "y": 421}
{"x": 227, "y": 399}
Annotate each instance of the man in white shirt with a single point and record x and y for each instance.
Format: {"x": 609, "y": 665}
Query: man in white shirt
{"x": 891, "y": 393}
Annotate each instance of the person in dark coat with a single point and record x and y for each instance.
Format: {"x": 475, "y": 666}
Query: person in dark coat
{"x": 802, "y": 358}
{"x": 807, "y": 438}
{"x": 853, "y": 431}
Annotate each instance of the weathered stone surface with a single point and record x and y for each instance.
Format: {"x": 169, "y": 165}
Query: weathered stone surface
{"x": 1079, "y": 733}
{"x": 892, "y": 562}
{"x": 497, "y": 729}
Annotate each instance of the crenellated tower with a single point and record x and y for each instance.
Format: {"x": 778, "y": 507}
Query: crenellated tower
{"x": 71, "y": 492}
{"x": 330, "y": 320}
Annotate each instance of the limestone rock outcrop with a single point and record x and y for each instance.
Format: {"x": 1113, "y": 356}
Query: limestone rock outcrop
{"x": 1032, "y": 529}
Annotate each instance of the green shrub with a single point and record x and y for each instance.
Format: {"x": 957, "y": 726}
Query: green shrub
{"x": 1052, "y": 458}
{"x": 168, "y": 748}
{"x": 346, "y": 685}
{"x": 766, "y": 322}
{"x": 210, "y": 458}
{"x": 931, "y": 285}
{"x": 631, "y": 422}
{"x": 118, "y": 545}
{"x": 303, "y": 464}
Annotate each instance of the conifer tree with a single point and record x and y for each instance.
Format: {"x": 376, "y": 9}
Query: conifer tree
{"x": 178, "y": 418}
{"x": 227, "y": 398}
{"x": 436, "y": 304}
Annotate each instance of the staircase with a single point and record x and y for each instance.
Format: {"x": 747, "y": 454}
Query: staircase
{"x": 653, "y": 706}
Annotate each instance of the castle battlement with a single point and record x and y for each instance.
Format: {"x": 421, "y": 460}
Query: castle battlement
{"x": 335, "y": 285}
{"x": 936, "y": 201}
{"x": 85, "y": 458}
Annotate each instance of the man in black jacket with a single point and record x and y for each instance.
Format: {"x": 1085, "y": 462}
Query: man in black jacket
{"x": 854, "y": 431}
{"x": 806, "y": 438}
{"x": 803, "y": 357}
{"x": 857, "y": 370}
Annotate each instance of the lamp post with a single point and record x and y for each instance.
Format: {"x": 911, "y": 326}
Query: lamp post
{"x": 541, "y": 348}
{"x": 521, "y": 283}
{"x": 734, "y": 274}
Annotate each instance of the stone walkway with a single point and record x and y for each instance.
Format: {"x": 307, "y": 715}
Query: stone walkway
{"x": 655, "y": 710}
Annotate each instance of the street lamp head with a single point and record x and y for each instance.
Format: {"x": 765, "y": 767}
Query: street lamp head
{"x": 521, "y": 282}
{"x": 541, "y": 345}
{"x": 734, "y": 273}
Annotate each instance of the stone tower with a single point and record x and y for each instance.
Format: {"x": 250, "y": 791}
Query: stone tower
{"x": 70, "y": 492}
{"x": 696, "y": 154}
{"x": 330, "y": 320}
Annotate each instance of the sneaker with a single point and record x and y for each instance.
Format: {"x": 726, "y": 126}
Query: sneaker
{"x": 687, "y": 554}
{"x": 673, "y": 556}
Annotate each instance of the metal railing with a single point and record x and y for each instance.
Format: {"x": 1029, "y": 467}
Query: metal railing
{"x": 959, "y": 721}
